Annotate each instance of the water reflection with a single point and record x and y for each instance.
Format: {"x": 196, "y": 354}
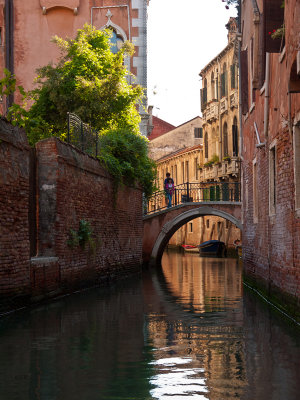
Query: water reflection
{"x": 183, "y": 332}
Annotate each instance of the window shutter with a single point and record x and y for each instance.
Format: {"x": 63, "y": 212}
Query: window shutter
{"x": 244, "y": 78}
{"x": 203, "y": 93}
{"x": 232, "y": 69}
{"x": 235, "y": 148}
{"x": 222, "y": 85}
{"x": 201, "y": 133}
{"x": 274, "y": 18}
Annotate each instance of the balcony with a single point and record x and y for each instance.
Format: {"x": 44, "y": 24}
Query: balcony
{"x": 233, "y": 99}
{"x": 223, "y": 105}
{"x": 211, "y": 111}
{"x": 220, "y": 170}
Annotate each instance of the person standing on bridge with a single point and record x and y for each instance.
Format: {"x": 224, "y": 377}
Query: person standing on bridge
{"x": 169, "y": 189}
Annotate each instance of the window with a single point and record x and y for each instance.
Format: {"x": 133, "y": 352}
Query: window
{"x": 175, "y": 176}
{"x": 235, "y": 144}
{"x": 187, "y": 172}
{"x": 233, "y": 76}
{"x": 116, "y": 42}
{"x": 272, "y": 180}
{"x": 203, "y": 93}
{"x": 244, "y": 78}
{"x": 205, "y": 145}
{"x": 225, "y": 140}
{"x": 212, "y": 86}
{"x": 190, "y": 227}
{"x": 297, "y": 165}
{"x": 196, "y": 168}
{"x": 255, "y": 193}
{"x": 198, "y": 133}
{"x": 207, "y": 223}
{"x": 224, "y": 86}
{"x": 182, "y": 171}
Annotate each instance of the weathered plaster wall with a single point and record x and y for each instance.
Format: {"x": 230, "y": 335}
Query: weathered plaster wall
{"x": 36, "y": 22}
{"x": 177, "y": 139}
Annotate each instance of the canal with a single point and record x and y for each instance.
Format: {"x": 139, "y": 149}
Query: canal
{"x": 189, "y": 330}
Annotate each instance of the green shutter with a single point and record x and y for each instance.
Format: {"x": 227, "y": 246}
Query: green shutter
{"x": 232, "y": 69}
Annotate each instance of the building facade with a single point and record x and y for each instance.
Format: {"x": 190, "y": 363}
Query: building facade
{"x": 182, "y": 150}
{"x": 26, "y": 29}
{"x": 270, "y": 73}
{"x": 220, "y": 112}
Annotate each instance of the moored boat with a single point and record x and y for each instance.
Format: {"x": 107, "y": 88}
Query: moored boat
{"x": 190, "y": 248}
{"x": 213, "y": 248}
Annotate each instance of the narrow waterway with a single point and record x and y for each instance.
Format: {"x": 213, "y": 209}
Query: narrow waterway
{"x": 187, "y": 331}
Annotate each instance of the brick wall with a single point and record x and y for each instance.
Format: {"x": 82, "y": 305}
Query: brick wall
{"x": 70, "y": 186}
{"x": 271, "y": 243}
{"x": 14, "y": 200}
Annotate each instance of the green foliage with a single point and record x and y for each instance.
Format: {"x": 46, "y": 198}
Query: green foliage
{"x": 82, "y": 236}
{"x": 215, "y": 158}
{"x": 88, "y": 80}
{"x": 227, "y": 158}
{"x": 208, "y": 164}
{"x": 124, "y": 153}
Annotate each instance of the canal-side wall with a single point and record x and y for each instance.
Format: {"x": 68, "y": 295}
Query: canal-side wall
{"x": 45, "y": 257}
{"x": 74, "y": 187}
{"x": 14, "y": 202}
{"x": 271, "y": 173}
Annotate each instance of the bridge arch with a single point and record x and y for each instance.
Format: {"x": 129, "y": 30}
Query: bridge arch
{"x": 170, "y": 227}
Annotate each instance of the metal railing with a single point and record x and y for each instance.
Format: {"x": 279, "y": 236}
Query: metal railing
{"x": 195, "y": 192}
{"x": 82, "y": 135}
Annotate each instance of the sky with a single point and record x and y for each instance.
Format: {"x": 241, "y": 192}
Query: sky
{"x": 183, "y": 37}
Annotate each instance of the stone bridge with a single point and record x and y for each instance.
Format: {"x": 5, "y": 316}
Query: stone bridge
{"x": 160, "y": 226}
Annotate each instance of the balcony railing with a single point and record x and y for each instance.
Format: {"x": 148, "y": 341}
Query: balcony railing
{"x": 221, "y": 170}
{"x": 223, "y": 105}
{"x": 233, "y": 99}
{"x": 195, "y": 192}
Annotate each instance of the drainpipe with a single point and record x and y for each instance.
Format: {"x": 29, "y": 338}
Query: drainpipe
{"x": 266, "y": 106}
{"x": 9, "y": 44}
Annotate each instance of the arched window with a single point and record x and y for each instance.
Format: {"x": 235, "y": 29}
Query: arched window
{"x": 116, "y": 42}
{"x": 235, "y": 143}
{"x": 205, "y": 145}
{"x": 203, "y": 93}
{"x": 212, "y": 85}
{"x": 225, "y": 140}
{"x": 224, "y": 85}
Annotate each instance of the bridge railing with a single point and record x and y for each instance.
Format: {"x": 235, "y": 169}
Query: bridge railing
{"x": 195, "y": 192}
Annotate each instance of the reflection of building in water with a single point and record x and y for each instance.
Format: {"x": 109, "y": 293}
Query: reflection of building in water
{"x": 206, "y": 228}
{"x": 208, "y": 292}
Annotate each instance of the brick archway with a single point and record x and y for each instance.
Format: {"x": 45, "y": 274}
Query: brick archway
{"x": 159, "y": 228}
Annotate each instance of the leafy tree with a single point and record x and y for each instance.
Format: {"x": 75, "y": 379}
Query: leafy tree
{"x": 89, "y": 80}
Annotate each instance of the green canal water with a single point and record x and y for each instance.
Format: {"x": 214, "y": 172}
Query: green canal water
{"x": 189, "y": 330}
